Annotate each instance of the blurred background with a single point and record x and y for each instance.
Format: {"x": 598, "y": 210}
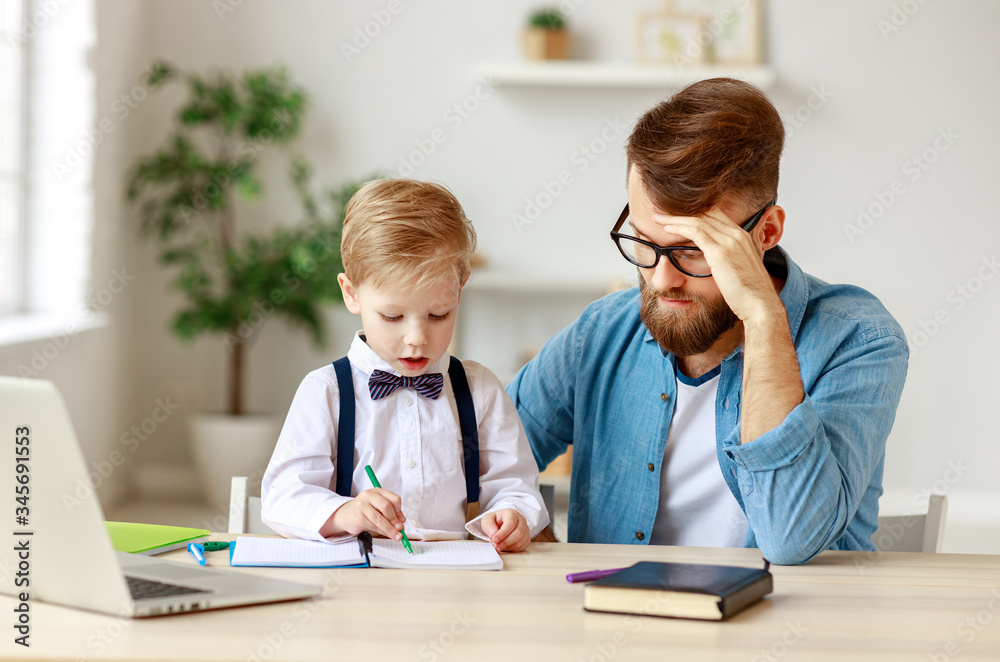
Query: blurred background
{"x": 887, "y": 180}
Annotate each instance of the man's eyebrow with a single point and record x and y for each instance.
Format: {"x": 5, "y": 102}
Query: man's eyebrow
{"x": 639, "y": 233}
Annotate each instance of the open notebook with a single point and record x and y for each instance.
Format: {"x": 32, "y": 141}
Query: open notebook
{"x": 364, "y": 552}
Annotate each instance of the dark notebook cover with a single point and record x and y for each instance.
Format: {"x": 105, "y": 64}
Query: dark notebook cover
{"x": 735, "y": 587}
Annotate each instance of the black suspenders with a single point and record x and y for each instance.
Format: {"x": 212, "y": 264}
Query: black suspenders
{"x": 466, "y": 421}
{"x": 345, "y": 428}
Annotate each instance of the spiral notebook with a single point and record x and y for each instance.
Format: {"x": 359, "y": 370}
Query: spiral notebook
{"x": 364, "y": 552}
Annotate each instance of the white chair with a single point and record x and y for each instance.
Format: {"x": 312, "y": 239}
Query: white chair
{"x": 244, "y": 509}
{"x": 548, "y": 493}
{"x": 913, "y": 533}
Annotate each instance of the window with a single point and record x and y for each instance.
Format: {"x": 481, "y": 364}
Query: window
{"x": 47, "y": 108}
{"x": 11, "y": 154}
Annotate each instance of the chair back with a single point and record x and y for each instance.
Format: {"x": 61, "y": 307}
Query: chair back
{"x": 244, "y": 509}
{"x": 913, "y": 533}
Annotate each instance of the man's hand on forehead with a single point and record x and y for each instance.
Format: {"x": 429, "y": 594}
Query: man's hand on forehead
{"x": 734, "y": 256}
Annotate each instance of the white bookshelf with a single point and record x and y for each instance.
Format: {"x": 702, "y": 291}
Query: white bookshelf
{"x": 584, "y": 74}
{"x": 511, "y": 282}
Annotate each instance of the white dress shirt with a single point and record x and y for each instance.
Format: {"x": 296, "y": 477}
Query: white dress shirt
{"x": 414, "y": 446}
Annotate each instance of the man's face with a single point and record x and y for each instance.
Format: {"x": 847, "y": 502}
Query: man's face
{"x": 685, "y": 315}
{"x": 408, "y": 329}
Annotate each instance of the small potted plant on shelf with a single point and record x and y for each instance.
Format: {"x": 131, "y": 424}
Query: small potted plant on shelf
{"x": 546, "y": 37}
{"x": 233, "y": 281}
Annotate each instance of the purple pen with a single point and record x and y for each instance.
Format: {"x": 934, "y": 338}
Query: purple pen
{"x": 590, "y": 575}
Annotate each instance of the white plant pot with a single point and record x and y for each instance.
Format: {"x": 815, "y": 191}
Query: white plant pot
{"x": 225, "y": 446}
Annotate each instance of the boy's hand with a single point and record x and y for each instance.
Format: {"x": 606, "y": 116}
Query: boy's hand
{"x": 507, "y": 530}
{"x": 377, "y": 511}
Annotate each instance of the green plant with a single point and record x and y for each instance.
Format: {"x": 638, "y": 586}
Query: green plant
{"x": 187, "y": 192}
{"x": 547, "y": 19}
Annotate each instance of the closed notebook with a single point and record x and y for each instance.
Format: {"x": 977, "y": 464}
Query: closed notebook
{"x": 364, "y": 551}
{"x": 151, "y": 538}
{"x": 678, "y": 590}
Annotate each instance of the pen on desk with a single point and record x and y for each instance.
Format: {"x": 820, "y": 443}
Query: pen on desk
{"x": 374, "y": 480}
{"x": 198, "y": 552}
{"x": 590, "y": 575}
{"x": 214, "y": 545}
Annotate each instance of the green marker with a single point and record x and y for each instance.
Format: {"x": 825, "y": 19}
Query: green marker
{"x": 374, "y": 480}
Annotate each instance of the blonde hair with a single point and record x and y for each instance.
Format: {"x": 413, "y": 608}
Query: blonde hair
{"x": 405, "y": 231}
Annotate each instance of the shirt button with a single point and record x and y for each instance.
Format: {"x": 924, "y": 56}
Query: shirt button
{"x": 407, "y": 401}
{"x": 411, "y": 463}
{"x": 664, "y": 397}
{"x": 640, "y": 535}
{"x": 650, "y": 466}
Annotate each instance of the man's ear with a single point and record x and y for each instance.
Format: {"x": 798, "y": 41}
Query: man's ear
{"x": 350, "y": 294}
{"x": 772, "y": 226}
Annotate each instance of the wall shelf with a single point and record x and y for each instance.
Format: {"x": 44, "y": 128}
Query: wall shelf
{"x": 582, "y": 73}
{"x": 509, "y": 282}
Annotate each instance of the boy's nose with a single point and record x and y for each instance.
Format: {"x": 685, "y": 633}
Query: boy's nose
{"x": 416, "y": 335}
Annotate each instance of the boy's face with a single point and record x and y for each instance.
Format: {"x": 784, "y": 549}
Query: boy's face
{"x": 408, "y": 329}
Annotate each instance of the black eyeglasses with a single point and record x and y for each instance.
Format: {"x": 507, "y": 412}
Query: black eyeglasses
{"x": 688, "y": 260}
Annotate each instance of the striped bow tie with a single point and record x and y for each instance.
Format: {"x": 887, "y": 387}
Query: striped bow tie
{"x": 383, "y": 383}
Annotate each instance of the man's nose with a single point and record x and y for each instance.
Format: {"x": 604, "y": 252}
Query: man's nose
{"x": 665, "y": 276}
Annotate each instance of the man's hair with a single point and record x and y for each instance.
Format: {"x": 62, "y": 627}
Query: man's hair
{"x": 401, "y": 231}
{"x": 715, "y": 138}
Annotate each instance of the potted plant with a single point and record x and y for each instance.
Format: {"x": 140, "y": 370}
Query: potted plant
{"x": 233, "y": 281}
{"x": 546, "y": 37}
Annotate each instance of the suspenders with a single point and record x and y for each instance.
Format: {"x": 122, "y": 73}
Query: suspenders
{"x": 345, "y": 428}
{"x": 466, "y": 421}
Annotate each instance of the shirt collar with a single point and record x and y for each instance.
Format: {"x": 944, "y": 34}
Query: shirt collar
{"x": 367, "y": 361}
{"x": 795, "y": 293}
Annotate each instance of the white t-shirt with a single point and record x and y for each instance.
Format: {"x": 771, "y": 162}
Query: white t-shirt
{"x": 696, "y": 507}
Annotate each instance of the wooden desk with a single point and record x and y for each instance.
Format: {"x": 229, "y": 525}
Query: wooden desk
{"x": 841, "y": 606}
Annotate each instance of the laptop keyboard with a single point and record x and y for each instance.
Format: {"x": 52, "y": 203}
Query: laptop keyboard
{"x": 145, "y": 588}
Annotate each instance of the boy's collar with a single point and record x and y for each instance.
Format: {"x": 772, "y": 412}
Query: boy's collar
{"x": 365, "y": 359}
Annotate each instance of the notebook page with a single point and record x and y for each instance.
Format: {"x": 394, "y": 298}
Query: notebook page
{"x": 436, "y": 555}
{"x": 284, "y": 552}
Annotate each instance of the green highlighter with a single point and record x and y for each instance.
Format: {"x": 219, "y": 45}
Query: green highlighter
{"x": 374, "y": 480}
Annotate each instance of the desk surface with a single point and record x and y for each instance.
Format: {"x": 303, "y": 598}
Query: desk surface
{"x": 842, "y": 605}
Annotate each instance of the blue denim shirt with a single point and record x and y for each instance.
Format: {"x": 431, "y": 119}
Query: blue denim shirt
{"x": 604, "y": 385}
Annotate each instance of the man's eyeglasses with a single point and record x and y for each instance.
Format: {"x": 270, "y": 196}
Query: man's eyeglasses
{"x": 688, "y": 260}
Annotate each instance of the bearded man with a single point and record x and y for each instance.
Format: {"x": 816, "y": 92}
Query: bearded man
{"x": 731, "y": 399}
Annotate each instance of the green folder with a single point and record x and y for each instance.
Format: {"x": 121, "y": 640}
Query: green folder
{"x": 151, "y": 538}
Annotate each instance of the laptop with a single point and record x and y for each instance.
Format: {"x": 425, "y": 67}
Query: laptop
{"x": 57, "y": 548}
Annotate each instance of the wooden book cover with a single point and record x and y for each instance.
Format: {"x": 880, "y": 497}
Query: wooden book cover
{"x": 679, "y": 590}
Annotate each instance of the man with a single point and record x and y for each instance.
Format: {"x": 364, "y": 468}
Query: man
{"x": 730, "y": 399}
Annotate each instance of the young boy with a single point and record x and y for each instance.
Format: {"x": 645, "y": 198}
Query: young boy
{"x": 406, "y": 249}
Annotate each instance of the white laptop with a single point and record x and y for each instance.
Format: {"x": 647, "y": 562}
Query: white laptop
{"x": 60, "y": 551}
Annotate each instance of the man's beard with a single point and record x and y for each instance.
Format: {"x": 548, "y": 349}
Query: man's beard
{"x": 674, "y": 330}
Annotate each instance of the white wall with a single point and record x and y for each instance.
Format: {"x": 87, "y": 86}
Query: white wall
{"x": 876, "y": 101}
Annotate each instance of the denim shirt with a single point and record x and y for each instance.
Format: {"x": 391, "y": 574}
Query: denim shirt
{"x": 604, "y": 385}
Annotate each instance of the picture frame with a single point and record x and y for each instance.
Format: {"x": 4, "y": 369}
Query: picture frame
{"x": 664, "y": 38}
{"x": 736, "y": 26}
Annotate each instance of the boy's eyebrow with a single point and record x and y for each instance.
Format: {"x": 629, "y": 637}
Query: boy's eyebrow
{"x": 394, "y": 308}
